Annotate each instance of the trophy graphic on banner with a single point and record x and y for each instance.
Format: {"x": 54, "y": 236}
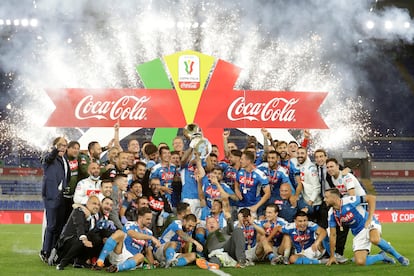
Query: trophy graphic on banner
{"x": 199, "y": 143}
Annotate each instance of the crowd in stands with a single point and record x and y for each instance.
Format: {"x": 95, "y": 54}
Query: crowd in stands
{"x": 151, "y": 206}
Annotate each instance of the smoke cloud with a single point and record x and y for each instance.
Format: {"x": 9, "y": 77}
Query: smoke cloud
{"x": 301, "y": 45}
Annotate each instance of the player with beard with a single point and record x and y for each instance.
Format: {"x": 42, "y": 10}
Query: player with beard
{"x": 227, "y": 146}
{"x": 364, "y": 226}
{"x": 159, "y": 205}
{"x": 106, "y": 188}
{"x": 135, "y": 191}
{"x": 230, "y": 171}
{"x": 71, "y": 155}
{"x": 128, "y": 248}
{"x": 310, "y": 181}
{"x": 290, "y": 169}
{"x": 275, "y": 174}
{"x": 175, "y": 238}
{"x": 88, "y": 186}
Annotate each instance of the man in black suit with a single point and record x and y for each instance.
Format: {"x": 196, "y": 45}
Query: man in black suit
{"x": 325, "y": 180}
{"x": 75, "y": 239}
{"x": 56, "y": 174}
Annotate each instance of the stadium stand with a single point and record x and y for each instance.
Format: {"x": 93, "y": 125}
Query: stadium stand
{"x": 400, "y": 188}
{"x": 391, "y": 150}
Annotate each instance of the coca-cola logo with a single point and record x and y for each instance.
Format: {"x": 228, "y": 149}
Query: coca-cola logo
{"x": 277, "y": 109}
{"x": 125, "y": 108}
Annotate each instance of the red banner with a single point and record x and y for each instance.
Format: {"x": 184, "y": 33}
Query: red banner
{"x": 160, "y": 108}
{"x": 21, "y": 171}
{"x": 21, "y": 217}
{"x": 220, "y": 106}
{"x": 103, "y": 108}
{"x": 392, "y": 173}
{"x": 395, "y": 216}
{"x": 256, "y": 109}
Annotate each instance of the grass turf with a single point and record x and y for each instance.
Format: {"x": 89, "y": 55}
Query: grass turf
{"x": 20, "y": 245}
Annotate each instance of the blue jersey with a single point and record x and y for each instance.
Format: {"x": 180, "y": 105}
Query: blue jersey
{"x": 170, "y": 234}
{"x": 150, "y": 164}
{"x": 276, "y": 178}
{"x": 250, "y": 185}
{"x": 133, "y": 245}
{"x": 301, "y": 239}
{"x": 292, "y": 171}
{"x": 189, "y": 188}
{"x": 250, "y": 235}
{"x": 165, "y": 175}
{"x": 351, "y": 214}
{"x": 268, "y": 226}
{"x": 259, "y": 157}
{"x": 211, "y": 191}
{"x": 229, "y": 174}
{"x": 229, "y": 177}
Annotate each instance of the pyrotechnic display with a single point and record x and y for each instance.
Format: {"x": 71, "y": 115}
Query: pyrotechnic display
{"x": 279, "y": 46}
{"x": 213, "y": 136}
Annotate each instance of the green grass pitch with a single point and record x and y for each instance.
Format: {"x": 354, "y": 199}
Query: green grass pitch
{"x": 20, "y": 244}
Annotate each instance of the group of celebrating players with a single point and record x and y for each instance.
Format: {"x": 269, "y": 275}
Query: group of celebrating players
{"x": 155, "y": 207}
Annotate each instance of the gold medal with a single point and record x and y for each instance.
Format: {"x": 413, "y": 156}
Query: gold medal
{"x": 341, "y": 228}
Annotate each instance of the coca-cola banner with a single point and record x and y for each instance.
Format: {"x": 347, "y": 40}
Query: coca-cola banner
{"x": 395, "y": 216}
{"x": 212, "y": 104}
{"x": 97, "y": 107}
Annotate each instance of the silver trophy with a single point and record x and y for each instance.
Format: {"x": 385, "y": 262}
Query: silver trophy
{"x": 199, "y": 143}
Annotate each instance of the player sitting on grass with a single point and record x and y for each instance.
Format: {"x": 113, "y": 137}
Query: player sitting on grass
{"x": 306, "y": 238}
{"x": 126, "y": 248}
{"x": 173, "y": 241}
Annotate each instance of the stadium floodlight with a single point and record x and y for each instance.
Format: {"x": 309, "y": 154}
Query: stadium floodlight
{"x": 1, "y": 22}
{"x": 388, "y": 25}
{"x": 34, "y": 22}
{"x": 370, "y": 24}
{"x": 16, "y": 22}
{"x": 407, "y": 25}
{"x": 8, "y": 22}
{"x": 24, "y": 22}
{"x": 180, "y": 24}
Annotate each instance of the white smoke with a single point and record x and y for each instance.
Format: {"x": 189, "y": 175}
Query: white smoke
{"x": 301, "y": 45}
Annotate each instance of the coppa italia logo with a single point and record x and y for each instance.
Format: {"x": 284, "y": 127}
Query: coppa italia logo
{"x": 189, "y": 72}
{"x": 183, "y": 96}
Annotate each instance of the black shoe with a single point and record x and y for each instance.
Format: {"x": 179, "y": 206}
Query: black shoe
{"x": 43, "y": 256}
{"x": 112, "y": 269}
{"x": 59, "y": 267}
